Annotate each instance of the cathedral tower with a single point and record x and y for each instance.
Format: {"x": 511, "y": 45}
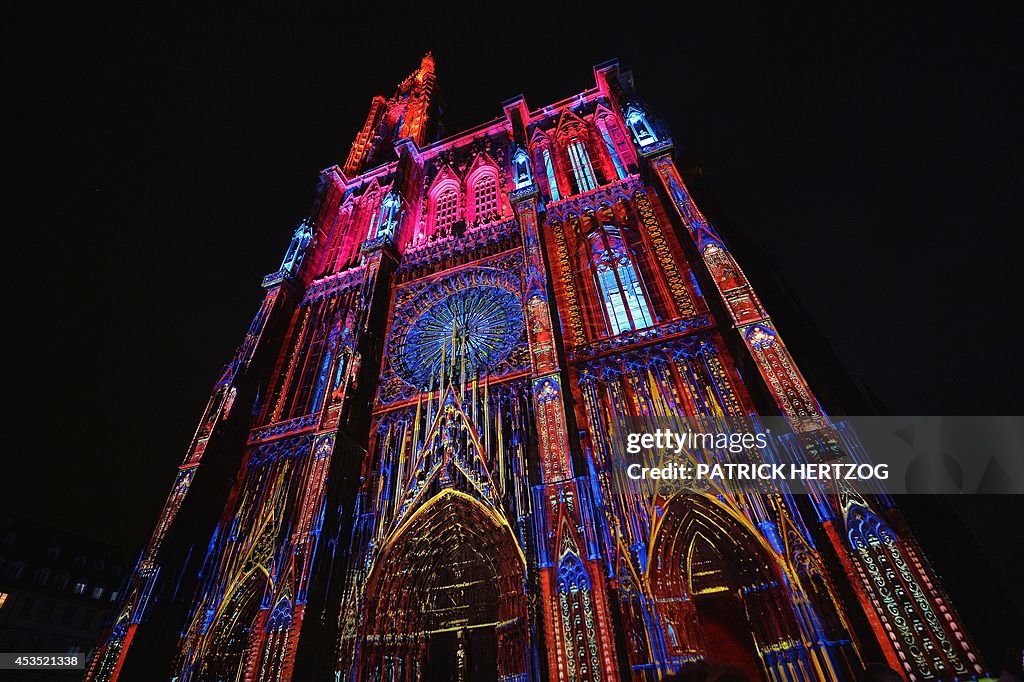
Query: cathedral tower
{"x": 408, "y": 469}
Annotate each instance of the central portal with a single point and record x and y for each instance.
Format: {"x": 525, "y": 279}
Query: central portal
{"x": 446, "y": 600}
{"x": 460, "y": 615}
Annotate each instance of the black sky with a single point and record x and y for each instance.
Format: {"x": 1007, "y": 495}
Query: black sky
{"x": 161, "y": 163}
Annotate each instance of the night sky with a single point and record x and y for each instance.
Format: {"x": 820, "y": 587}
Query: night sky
{"x": 160, "y": 164}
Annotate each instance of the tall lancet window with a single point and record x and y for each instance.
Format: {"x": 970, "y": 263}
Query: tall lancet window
{"x": 612, "y": 151}
{"x": 549, "y": 169}
{"x": 626, "y": 304}
{"x": 581, "y": 167}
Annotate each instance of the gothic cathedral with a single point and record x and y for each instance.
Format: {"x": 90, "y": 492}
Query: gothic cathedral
{"x": 407, "y": 470}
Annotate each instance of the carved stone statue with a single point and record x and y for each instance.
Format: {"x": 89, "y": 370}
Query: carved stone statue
{"x": 297, "y": 248}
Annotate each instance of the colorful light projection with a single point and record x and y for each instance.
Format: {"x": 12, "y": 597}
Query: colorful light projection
{"x": 418, "y": 437}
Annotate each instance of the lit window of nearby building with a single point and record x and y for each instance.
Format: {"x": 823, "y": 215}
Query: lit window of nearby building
{"x": 113, "y": 596}
{"x": 3, "y": 599}
{"x": 97, "y": 593}
{"x": 79, "y": 588}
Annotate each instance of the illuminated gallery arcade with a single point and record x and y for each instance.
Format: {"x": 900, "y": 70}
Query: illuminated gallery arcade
{"x": 425, "y": 418}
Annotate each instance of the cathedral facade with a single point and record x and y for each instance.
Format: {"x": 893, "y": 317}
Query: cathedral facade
{"x": 409, "y": 468}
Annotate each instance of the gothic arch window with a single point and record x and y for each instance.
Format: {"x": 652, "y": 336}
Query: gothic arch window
{"x": 624, "y": 297}
{"x": 343, "y": 243}
{"x": 582, "y": 169}
{"x": 444, "y": 207}
{"x": 304, "y": 389}
{"x": 369, "y": 210}
{"x": 446, "y": 210}
{"x": 485, "y": 198}
{"x": 549, "y": 170}
{"x": 324, "y": 376}
{"x": 613, "y": 152}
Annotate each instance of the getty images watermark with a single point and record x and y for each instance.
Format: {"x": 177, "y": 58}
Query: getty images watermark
{"x": 873, "y": 455}
{"x": 676, "y": 443}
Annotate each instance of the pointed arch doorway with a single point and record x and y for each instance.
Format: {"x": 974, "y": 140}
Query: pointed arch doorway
{"x": 445, "y": 599}
{"x": 719, "y": 589}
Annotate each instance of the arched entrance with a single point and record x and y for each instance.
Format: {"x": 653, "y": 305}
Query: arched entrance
{"x": 718, "y": 588}
{"x": 715, "y": 589}
{"x": 445, "y": 600}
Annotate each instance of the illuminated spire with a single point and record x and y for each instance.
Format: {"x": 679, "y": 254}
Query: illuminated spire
{"x": 407, "y": 114}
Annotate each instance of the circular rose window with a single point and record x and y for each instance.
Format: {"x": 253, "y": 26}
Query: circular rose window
{"x": 479, "y": 325}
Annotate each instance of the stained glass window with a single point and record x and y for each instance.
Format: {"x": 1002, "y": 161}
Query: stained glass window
{"x": 552, "y": 183}
{"x": 478, "y": 325}
{"x": 581, "y": 167}
{"x": 622, "y": 293}
{"x": 612, "y": 151}
{"x": 322, "y": 379}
